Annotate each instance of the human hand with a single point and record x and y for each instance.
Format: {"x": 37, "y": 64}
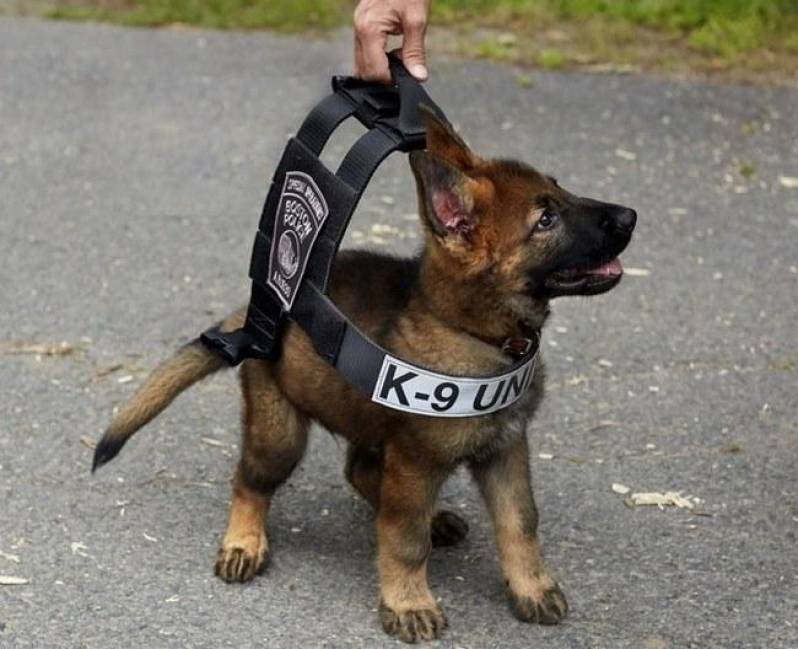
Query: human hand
{"x": 375, "y": 20}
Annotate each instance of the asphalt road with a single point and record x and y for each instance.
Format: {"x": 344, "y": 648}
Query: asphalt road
{"x": 133, "y": 165}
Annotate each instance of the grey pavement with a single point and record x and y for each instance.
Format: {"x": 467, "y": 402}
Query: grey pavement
{"x": 133, "y": 165}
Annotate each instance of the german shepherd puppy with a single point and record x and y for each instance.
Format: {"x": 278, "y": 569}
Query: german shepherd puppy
{"x": 501, "y": 240}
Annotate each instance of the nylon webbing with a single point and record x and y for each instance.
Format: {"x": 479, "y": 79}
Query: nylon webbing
{"x": 364, "y": 157}
{"x": 323, "y": 120}
{"x": 304, "y": 219}
{"x": 336, "y": 339}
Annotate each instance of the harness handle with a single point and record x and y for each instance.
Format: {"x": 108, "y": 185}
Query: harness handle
{"x": 304, "y": 219}
{"x": 392, "y": 108}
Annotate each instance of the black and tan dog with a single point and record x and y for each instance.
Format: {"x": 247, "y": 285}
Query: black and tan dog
{"x": 501, "y": 240}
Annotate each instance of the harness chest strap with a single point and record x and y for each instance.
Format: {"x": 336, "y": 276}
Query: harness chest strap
{"x": 304, "y": 219}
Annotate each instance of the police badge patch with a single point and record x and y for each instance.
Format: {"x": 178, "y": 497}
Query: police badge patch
{"x": 301, "y": 212}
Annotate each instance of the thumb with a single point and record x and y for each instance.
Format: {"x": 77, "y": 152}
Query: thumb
{"x": 413, "y": 51}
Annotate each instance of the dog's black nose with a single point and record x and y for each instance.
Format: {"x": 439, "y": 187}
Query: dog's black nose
{"x": 619, "y": 219}
{"x": 625, "y": 220}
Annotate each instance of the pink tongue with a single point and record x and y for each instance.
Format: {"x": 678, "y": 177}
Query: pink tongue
{"x": 610, "y": 269}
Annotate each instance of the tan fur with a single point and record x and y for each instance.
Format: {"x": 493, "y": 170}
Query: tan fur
{"x": 190, "y": 364}
{"x": 169, "y": 379}
{"x": 450, "y": 311}
{"x": 245, "y": 548}
{"x": 504, "y": 485}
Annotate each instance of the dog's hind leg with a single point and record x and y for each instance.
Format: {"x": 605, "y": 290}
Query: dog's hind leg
{"x": 505, "y": 485}
{"x": 274, "y": 438}
{"x": 364, "y": 472}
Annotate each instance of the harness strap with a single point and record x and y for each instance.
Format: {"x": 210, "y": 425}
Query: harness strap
{"x": 388, "y": 379}
{"x": 323, "y": 120}
{"x": 304, "y": 219}
{"x": 362, "y": 160}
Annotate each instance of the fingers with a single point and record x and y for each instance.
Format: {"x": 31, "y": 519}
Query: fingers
{"x": 414, "y": 26}
{"x": 371, "y": 36}
{"x": 374, "y": 21}
{"x": 371, "y": 60}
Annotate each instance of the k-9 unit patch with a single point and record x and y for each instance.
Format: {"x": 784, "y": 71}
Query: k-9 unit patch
{"x": 407, "y": 387}
{"x": 301, "y": 212}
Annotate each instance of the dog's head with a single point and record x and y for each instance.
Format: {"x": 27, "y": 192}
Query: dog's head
{"x": 505, "y": 225}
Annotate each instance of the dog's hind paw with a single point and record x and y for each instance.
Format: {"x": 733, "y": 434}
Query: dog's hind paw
{"x": 447, "y": 528}
{"x": 241, "y": 561}
{"x": 547, "y": 607}
{"x": 413, "y": 625}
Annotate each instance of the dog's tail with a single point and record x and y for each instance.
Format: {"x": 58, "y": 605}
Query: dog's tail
{"x": 192, "y": 363}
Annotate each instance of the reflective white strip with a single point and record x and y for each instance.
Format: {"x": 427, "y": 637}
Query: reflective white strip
{"x": 410, "y": 388}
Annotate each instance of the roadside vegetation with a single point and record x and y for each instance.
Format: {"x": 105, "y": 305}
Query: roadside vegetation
{"x": 755, "y": 39}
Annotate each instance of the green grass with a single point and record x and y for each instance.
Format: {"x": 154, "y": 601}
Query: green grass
{"x": 282, "y": 15}
{"x": 722, "y": 27}
{"x": 551, "y": 58}
{"x": 734, "y": 33}
{"x": 747, "y": 169}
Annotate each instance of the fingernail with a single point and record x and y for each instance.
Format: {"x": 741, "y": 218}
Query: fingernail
{"x": 418, "y": 71}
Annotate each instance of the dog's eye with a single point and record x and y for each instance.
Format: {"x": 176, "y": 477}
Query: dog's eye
{"x": 547, "y": 220}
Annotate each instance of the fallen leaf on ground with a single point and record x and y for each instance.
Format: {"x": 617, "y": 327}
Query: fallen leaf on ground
{"x": 575, "y": 459}
{"x": 105, "y": 371}
{"x": 655, "y": 643}
{"x": 78, "y": 548}
{"x": 625, "y": 155}
{"x": 790, "y": 182}
{"x": 384, "y": 228}
{"x": 661, "y": 500}
{"x": 604, "y": 423}
{"x": 88, "y": 441}
{"x": 60, "y": 349}
{"x": 619, "y": 488}
{"x": 8, "y": 580}
{"x": 209, "y": 441}
{"x": 575, "y": 380}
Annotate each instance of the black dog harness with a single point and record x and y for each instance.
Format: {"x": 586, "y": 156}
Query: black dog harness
{"x": 305, "y": 217}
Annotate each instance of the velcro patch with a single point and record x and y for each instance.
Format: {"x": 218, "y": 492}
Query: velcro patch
{"x": 301, "y": 212}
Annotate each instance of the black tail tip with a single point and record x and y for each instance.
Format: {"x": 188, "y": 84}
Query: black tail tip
{"x": 106, "y": 450}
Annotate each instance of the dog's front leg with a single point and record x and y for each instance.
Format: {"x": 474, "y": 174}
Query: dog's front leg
{"x": 505, "y": 484}
{"x": 408, "y": 490}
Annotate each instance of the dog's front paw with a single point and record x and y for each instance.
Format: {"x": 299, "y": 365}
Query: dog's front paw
{"x": 242, "y": 559}
{"x": 544, "y": 604}
{"x": 413, "y": 625}
{"x": 447, "y": 528}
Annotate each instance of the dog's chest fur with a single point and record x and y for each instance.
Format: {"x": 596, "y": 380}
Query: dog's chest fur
{"x": 477, "y": 438}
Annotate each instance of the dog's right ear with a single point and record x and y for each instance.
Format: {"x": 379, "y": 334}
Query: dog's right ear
{"x": 446, "y": 194}
{"x": 443, "y": 142}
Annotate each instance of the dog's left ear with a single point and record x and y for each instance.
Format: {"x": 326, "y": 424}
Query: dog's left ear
{"x": 444, "y": 143}
{"x": 446, "y": 194}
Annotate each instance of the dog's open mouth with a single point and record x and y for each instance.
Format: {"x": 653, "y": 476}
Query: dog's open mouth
{"x": 585, "y": 280}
